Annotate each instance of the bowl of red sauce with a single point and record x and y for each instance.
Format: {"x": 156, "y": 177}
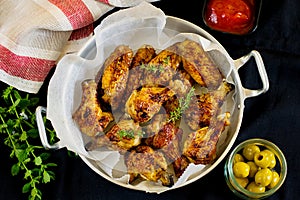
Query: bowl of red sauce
{"x": 239, "y": 17}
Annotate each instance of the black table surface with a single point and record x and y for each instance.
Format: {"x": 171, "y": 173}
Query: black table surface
{"x": 273, "y": 116}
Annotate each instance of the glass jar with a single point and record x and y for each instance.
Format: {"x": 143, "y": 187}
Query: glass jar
{"x": 238, "y": 17}
{"x": 281, "y": 169}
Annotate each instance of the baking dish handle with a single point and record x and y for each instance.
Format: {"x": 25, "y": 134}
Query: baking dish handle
{"x": 261, "y": 70}
{"x": 42, "y": 130}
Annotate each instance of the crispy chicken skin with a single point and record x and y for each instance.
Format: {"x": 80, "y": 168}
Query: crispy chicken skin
{"x": 200, "y": 146}
{"x": 161, "y": 69}
{"x": 149, "y": 164}
{"x": 168, "y": 140}
{"x": 143, "y": 104}
{"x": 180, "y": 164}
{"x": 206, "y": 107}
{"x": 199, "y": 65}
{"x": 115, "y": 75}
{"x": 121, "y": 137}
{"x": 156, "y": 123}
{"x": 89, "y": 116}
{"x": 181, "y": 83}
{"x": 143, "y": 56}
{"x": 166, "y": 137}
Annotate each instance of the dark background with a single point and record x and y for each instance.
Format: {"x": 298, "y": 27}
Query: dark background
{"x": 273, "y": 116}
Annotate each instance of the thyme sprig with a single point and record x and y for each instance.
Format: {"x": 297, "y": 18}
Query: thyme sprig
{"x": 183, "y": 105}
{"x": 129, "y": 133}
{"x": 152, "y": 68}
{"x": 19, "y": 130}
{"x": 156, "y": 68}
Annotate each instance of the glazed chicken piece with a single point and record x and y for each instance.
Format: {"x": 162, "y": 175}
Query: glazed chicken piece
{"x": 180, "y": 164}
{"x": 115, "y": 75}
{"x": 122, "y": 136}
{"x": 168, "y": 140}
{"x": 143, "y": 55}
{"x": 143, "y": 104}
{"x": 161, "y": 69}
{"x": 200, "y": 146}
{"x": 89, "y": 115}
{"x": 205, "y": 108}
{"x": 156, "y": 124}
{"x": 181, "y": 83}
{"x": 199, "y": 65}
{"x": 165, "y": 137}
{"x": 148, "y": 164}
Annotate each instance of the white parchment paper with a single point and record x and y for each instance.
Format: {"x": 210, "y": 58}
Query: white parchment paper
{"x": 142, "y": 24}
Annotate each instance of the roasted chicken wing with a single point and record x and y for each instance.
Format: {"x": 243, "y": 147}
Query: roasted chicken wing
{"x": 148, "y": 164}
{"x": 89, "y": 116}
{"x": 205, "y": 108}
{"x": 121, "y": 137}
{"x": 180, "y": 164}
{"x": 200, "y": 146}
{"x": 161, "y": 69}
{"x": 166, "y": 139}
{"x": 181, "y": 83}
{"x": 143, "y": 104}
{"x": 199, "y": 65}
{"x": 115, "y": 75}
{"x": 142, "y": 57}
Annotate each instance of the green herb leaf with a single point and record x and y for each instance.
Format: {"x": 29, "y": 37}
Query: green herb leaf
{"x": 23, "y": 136}
{"x": 34, "y": 192}
{"x": 167, "y": 60}
{"x": 26, "y": 187}
{"x": 7, "y": 92}
{"x": 27, "y": 174}
{"x": 33, "y": 133}
{"x": 38, "y": 160}
{"x": 152, "y": 68}
{"x": 20, "y": 154}
{"x": 15, "y": 169}
{"x": 126, "y": 133}
{"x": 183, "y": 105}
{"x": 51, "y": 164}
{"x": 129, "y": 134}
{"x": 19, "y": 129}
{"x": 46, "y": 177}
{"x": 45, "y": 155}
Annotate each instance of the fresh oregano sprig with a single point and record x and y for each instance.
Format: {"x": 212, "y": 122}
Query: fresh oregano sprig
{"x": 19, "y": 130}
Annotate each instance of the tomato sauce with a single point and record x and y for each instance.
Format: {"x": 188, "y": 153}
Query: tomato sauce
{"x": 231, "y": 16}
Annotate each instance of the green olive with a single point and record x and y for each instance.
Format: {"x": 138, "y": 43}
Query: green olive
{"x": 272, "y": 158}
{"x": 241, "y": 169}
{"x": 249, "y": 151}
{"x": 262, "y": 159}
{"x": 238, "y": 158}
{"x": 253, "y": 169}
{"x": 242, "y": 181}
{"x": 253, "y": 187}
{"x": 263, "y": 177}
{"x": 275, "y": 180}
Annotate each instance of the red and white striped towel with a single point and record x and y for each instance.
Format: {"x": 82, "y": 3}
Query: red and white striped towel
{"x": 35, "y": 34}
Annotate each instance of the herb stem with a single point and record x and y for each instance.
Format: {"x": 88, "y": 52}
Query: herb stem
{"x": 17, "y": 123}
{"x": 184, "y": 103}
